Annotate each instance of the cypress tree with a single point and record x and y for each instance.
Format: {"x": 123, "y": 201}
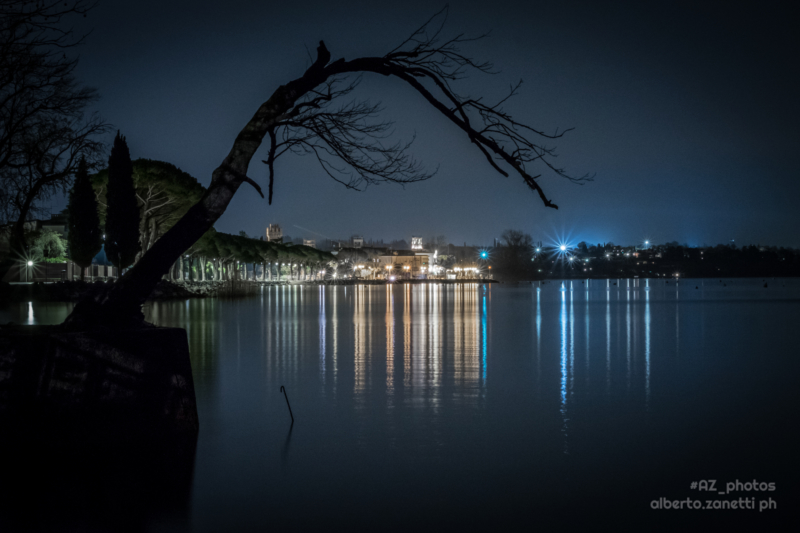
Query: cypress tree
{"x": 122, "y": 218}
{"x": 84, "y": 237}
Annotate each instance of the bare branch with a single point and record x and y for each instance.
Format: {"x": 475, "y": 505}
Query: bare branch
{"x": 353, "y": 133}
{"x": 245, "y": 179}
{"x": 349, "y": 141}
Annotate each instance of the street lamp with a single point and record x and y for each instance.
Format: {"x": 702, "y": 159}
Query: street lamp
{"x": 30, "y": 264}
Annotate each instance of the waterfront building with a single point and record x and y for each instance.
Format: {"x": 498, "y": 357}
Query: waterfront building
{"x": 406, "y": 264}
{"x": 274, "y": 233}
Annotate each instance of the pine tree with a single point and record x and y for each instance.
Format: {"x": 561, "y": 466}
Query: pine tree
{"x": 122, "y": 219}
{"x": 84, "y": 237}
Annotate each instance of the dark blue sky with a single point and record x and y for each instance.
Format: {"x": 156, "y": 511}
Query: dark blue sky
{"x": 688, "y": 116}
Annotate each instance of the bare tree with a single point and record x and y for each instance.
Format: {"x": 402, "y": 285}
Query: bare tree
{"x": 43, "y": 130}
{"x": 517, "y": 239}
{"x": 513, "y": 258}
{"x": 301, "y": 116}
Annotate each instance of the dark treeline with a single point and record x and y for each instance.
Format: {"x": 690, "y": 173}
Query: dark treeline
{"x": 518, "y": 258}
{"x": 709, "y": 261}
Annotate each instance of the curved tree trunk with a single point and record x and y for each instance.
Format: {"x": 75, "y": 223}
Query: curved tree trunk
{"x": 120, "y": 304}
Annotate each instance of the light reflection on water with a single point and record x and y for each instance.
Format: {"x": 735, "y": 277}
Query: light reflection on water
{"x": 476, "y": 397}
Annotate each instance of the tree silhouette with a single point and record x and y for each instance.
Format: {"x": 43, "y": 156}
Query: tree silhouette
{"x": 43, "y": 128}
{"x": 513, "y": 257}
{"x": 163, "y": 195}
{"x": 84, "y": 236}
{"x": 122, "y": 218}
{"x": 304, "y": 116}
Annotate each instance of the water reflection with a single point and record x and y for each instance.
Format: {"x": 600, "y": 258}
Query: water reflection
{"x": 564, "y": 418}
{"x": 405, "y": 385}
{"x": 406, "y": 326}
{"x": 469, "y": 350}
{"x": 484, "y": 341}
{"x": 628, "y": 337}
{"x": 361, "y": 327}
{"x": 335, "y": 330}
{"x": 647, "y": 347}
{"x": 389, "y": 341}
{"x": 588, "y": 345}
{"x": 538, "y": 337}
{"x": 416, "y": 339}
{"x": 608, "y": 336}
{"x": 322, "y": 324}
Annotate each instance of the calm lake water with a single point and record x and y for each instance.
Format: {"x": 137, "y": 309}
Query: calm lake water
{"x": 478, "y": 406}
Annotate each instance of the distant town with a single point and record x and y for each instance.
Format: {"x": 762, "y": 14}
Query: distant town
{"x": 45, "y": 250}
{"x": 514, "y": 256}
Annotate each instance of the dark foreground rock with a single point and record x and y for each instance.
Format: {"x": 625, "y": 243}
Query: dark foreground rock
{"x": 98, "y": 385}
{"x": 98, "y": 430}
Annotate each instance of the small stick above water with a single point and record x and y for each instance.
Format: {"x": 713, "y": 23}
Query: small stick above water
{"x": 283, "y": 390}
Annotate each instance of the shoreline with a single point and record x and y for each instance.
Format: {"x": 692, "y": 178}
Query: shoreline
{"x": 72, "y": 291}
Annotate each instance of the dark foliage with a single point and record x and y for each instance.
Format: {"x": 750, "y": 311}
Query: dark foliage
{"x": 84, "y": 236}
{"x": 44, "y": 131}
{"x": 512, "y": 259}
{"x": 163, "y": 194}
{"x": 665, "y": 261}
{"x": 122, "y": 219}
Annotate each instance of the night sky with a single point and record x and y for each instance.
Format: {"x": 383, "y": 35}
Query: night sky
{"x": 688, "y": 116}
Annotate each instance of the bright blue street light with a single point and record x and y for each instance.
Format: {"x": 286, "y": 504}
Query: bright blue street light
{"x": 563, "y": 247}
{"x": 483, "y": 255}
